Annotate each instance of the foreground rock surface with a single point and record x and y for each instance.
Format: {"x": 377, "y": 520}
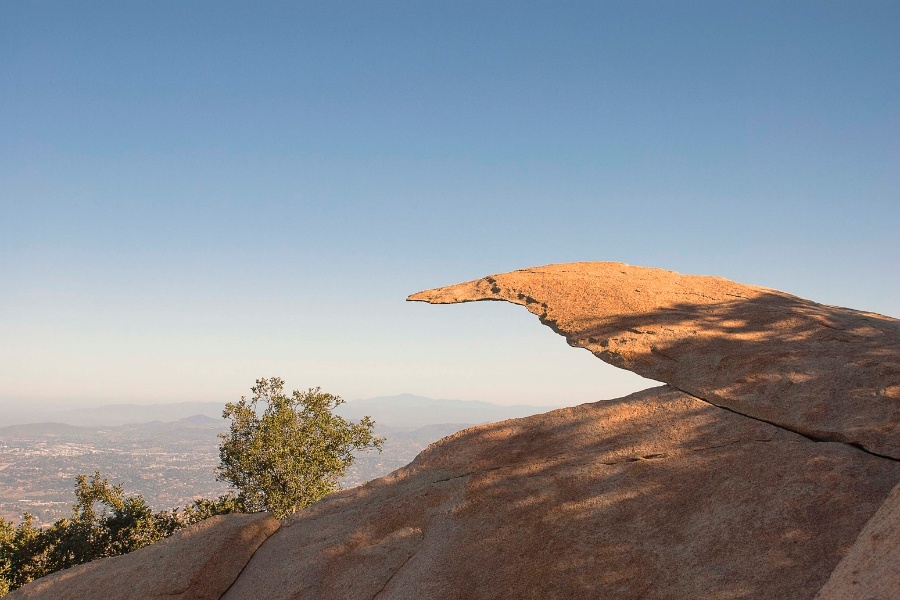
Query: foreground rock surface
{"x": 657, "y": 495}
{"x": 827, "y": 372}
{"x": 197, "y": 563}
{"x": 663, "y": 494}
{"x": 871, "y": 570}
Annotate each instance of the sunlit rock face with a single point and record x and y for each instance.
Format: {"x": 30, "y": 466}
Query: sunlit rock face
{"x": 827, "y": 372}
{"x": 656, "y": 495}
{"x": 664, "y": 494}
{"x": 871, "y": 569}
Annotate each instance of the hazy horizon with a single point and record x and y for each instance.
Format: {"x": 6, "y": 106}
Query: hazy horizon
{"x": 416, "y": 408}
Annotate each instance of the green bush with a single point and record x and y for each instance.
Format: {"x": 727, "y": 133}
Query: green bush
{"x": 104, "y": 522}
{"x": 282, "y": 454}
{"x": 286, "y": 452}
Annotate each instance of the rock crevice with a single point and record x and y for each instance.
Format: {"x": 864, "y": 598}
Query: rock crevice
{"x": 805, "y": 434}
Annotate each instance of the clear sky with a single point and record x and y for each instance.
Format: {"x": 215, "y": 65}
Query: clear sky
{"x": 197, "y": 194}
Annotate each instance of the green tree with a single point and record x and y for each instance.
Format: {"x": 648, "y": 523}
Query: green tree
{"x": 104, "y": 522}
{"x": 205, "y": 508}
{"x": 284, "y": 452}
{"x": 22, "y": 553}
{"x": 123, "y": 524}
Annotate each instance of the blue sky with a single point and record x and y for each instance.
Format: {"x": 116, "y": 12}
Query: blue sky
{"x": 196, "y": 194}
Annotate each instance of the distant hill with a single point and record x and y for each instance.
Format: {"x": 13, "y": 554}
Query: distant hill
{"x": 405, "y": 411}
{"x": 42, "y": 429}
{"x": 168, "y": 452}
{"x": 409, "y": 411}
{"x": 123, "y": 414}
{"x": 201, "y": 420}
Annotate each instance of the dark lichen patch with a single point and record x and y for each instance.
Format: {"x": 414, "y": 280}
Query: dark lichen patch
{"x": 495, "y": 289}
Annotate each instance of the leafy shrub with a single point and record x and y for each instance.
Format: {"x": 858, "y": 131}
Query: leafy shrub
{"x": 104, "y": 522}
{"x": 284, "y": 452}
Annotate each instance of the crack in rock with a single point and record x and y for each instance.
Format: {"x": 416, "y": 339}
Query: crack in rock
{"x": 238, "y": 576}
{"x": 394, "y": 574}
{"x": 824, "y": 439}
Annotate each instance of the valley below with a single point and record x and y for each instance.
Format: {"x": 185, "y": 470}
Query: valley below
{"x": 172, "y": 463}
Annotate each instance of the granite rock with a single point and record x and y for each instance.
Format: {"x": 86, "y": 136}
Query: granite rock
{"x": 871, "y": 569}
{"x": 657, "y": 495}
{"x": 764, "y": 468}
{"x": 827, "y": 372}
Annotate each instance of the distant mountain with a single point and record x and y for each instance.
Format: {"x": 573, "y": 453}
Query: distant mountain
{"x": 123, "y": 414}
{"x": 201, "y": 421}
{"x": 412, "y": 412}
{"x": 405, "y": 411}
{"x": 400, "y": 447}
{"x": 42, "y": 429}
{"x": 168, "y": 452}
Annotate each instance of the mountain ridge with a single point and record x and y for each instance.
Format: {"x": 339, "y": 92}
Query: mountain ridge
{"x": 398, "y": 411}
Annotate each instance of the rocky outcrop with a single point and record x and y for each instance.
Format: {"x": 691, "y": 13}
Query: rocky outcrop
{"x": 657, "y": 495}
{"x": 754, "y": 473}
{"x": 196, "y": 563}
{"x": 826, "y": 372}
{"x": 871, "y": 570}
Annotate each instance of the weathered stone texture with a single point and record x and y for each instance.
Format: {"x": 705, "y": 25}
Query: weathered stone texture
{"x": 871, "y": 570}
{"x": 657, "y": 495}
{"x": 196, "y": 563}
{"x": 828, "y": 372}
{"x": 754, "y": 474}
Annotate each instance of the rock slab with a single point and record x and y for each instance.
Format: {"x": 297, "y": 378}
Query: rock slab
{"x": 655, "y": 496}
{"x": 871, "y": 570}
{"x": 827, "y": 372}
{"x": 197, "y": 563}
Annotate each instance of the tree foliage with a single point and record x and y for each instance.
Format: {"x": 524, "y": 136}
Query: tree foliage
{"x": 284, "y": 452}
{"x": 104, "y": 522}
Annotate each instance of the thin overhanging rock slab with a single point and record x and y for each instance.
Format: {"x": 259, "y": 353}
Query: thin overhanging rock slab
{"x": 827, "y": 372}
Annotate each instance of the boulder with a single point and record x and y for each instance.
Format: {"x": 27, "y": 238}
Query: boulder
{"x": 829, "y": 373}
{"x": 199, "y": 562}
{"x": 657, "y": 495}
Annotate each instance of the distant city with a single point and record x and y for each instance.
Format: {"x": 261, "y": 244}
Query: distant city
{"x": 168, "y": 452}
